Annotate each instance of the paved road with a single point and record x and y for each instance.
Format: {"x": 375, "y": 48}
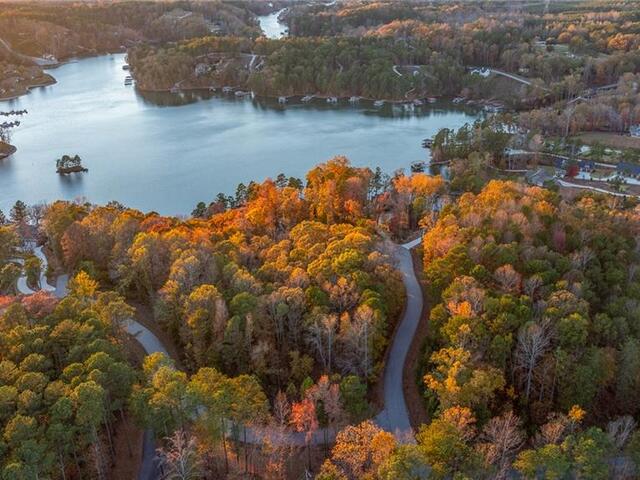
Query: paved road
{"x": 151, "y": 344}
{"x": 61, "y": 282}
{"x": 595, "y": 189}
{"x": 517, "y": 78}
{"x": 149, "y": 469}
{"x": 393, "y": 418}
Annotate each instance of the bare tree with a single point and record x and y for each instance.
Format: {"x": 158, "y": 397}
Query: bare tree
{"x": 281, "y": 408}
{"x": 356, "y": 338}
{"x": 321, "y": 337}
{"x": 620, "y": 429}
{"x": 180, "y": 457}
{"x": 532, "y": 284}
{"x": 508, "y": 279}
{"x": 501, "y": 439}
{"x": 581, "y": 258}
{"x": 533, "y": 341}
{"x": 555, "y": 430}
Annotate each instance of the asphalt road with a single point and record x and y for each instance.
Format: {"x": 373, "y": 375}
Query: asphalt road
{"x": 395, "y": 416}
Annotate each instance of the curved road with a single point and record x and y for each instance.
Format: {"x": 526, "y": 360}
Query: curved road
{"x": 150, "y": 343}
{"x": 393, "y": 418}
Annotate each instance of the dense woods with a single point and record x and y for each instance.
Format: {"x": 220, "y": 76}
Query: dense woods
{"x": 37, "y": 29}
{"x": 65, "y": 382}
{"x": 535, "y": 325}
{"x": 402, "y": 51}
{"x": 278, "y": 303}
{"x": 284, "y": 291}
{"x": 282, "y": 286}
{"x": 281, "y": 301}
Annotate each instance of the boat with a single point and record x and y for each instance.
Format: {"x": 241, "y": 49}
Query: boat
{"x": 378, "y": 103}
{"x": 493, "y": 108}
{"x": 418, "y": 103}
{"x": 458, "y": 100}
{"x": 307, "y": 98}
{"x": 125, "y": 67}
{"x": 332, "y": 100}
{"x": 354, "y": 99}
{"x": 418, "y": 167}
{"x": 432, "y": 99}
{"x": 227, "y": 89}
{"x": 282, "y": 100}
{"x": 427, "y": 143}
{"x": 240, "y": 93}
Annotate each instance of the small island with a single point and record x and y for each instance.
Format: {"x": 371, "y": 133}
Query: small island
{"x": 67, "y": 164}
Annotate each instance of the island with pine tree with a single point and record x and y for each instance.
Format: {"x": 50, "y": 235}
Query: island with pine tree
{"x": 67, "y": 164}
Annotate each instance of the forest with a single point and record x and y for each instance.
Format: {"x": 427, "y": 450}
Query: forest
{"x": 276, "y": 307}
{"x": 280, "y": 302}
{"x": 534, "y": 330}
{"x": 285, "y": 290}
{"x": 91, "y": 28}
{"x": 355, "y": 49}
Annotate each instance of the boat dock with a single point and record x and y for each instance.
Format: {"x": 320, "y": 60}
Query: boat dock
{"x": 427, "y": 143}
{"x": 13, "y": 112}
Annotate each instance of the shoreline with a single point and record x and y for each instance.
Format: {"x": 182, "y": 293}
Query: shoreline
{"x": 6, "y": 150}
{"x": 27, "y": 89}
{"x": 475, "y": 104}
{"x": 323, "y": 96}
{"x": 51, "y": 80}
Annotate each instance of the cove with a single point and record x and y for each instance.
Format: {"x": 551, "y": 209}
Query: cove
{"x": 166, "y": 152}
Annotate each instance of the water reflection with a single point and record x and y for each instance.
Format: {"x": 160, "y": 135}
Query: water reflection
{"x": 388, "y": 110}
{"x": 147, "y": 155}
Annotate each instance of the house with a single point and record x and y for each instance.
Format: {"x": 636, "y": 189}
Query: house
{"x": 628, "y": 169}
{"x": 202, "y": 69}
{"x": 483, "y": 72}
{"x": 588, "y": 166}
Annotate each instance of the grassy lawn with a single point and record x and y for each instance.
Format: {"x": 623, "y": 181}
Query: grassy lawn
{"x": 612, "y": 140}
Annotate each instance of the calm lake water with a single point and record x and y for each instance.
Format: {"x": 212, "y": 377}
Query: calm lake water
{"x": 270, "y": 25}
{"x": 167, "y": 152}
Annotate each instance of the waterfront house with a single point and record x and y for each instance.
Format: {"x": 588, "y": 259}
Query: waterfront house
{"x": 628, "y": 169}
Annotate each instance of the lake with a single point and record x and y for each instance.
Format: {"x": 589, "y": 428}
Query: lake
{"x": 167, "y": 152}
{"x": 270, "y": 25}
